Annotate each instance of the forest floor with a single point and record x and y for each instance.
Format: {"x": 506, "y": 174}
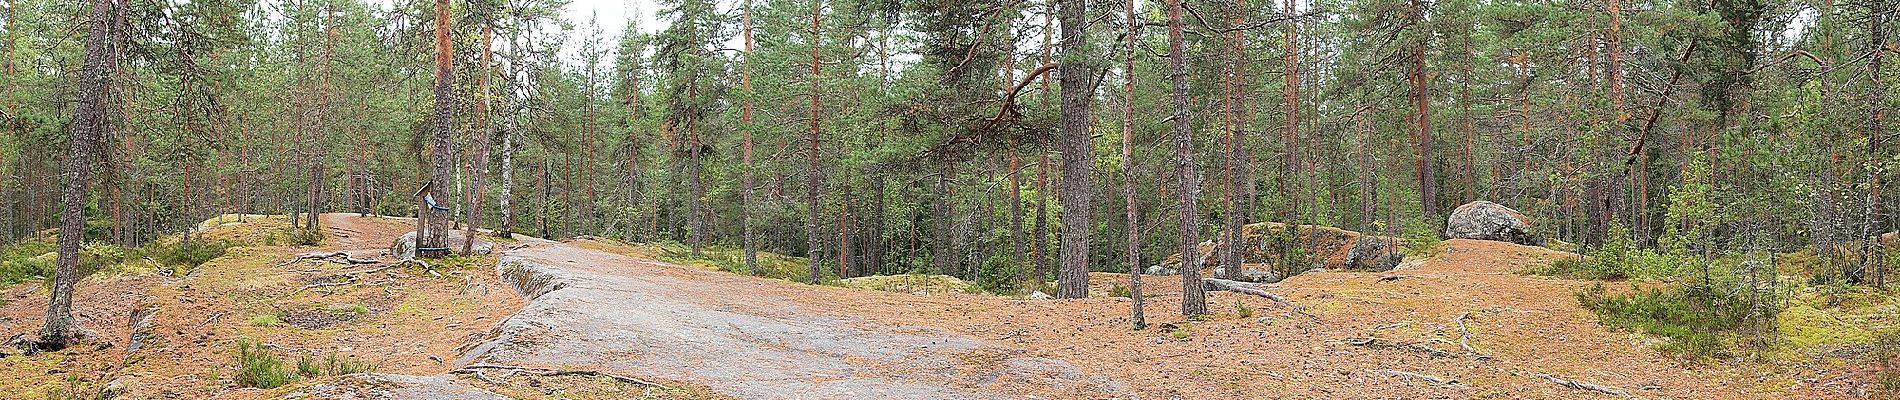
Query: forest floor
{"x": 611, "y": 307}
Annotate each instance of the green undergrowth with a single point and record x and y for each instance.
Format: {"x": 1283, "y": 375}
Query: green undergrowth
{"x": 1619, "y": 258}
{"x": 1694, "y": 322}
{"x": 261, "y": 367}
{"x": 732, "y": 259}
{"x": 36, "y": 259}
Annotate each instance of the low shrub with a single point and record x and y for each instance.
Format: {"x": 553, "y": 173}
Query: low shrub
{"x": 305, "y": 237}
{"x": 998, "y": 276}
{"x": 1695, "y": 320}
{"x": 1617, "y": 259}
{"x": 188, "y": 254}
{"x": 1421, "y": 238}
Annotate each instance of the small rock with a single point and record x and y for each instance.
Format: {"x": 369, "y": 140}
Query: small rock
{"x": 1039, "y": 295}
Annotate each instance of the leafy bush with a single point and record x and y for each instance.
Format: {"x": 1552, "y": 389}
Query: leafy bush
{"x": 1243, "y": 309}
{"x": 1119, "y": 290}
{"x": 259, "y": 367}
{"x": 1694, "y": 319}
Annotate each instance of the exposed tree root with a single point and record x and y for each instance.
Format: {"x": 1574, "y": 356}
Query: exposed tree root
{"x": 354, "y": 277}
{"x": 1375, "y": 342}
{"x": 1464, "y": 337}
{"x": 1428, "y": 378}
{"x": 476, "y": 369}
{"x": 347, "y": 258}
{"x": 1581, "y": 385}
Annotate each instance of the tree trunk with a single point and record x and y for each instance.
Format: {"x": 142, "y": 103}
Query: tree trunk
{"x": 1078, "y": 157}
{"x": 89, "y": 121}
{"x": 750, "y": 243}
{"x": 1421, "y": 96}
{"x": 1236, "y": 153}
{"x": 812, "y": 180}
{"x": 1193, "y": 299}
{"x": 1876, "y": 100}
{"x": 1039, "y": 241}
{"x": 436, "y": 239}
{"x": 1128, "y": 171}
{"x": 477, "y": 178}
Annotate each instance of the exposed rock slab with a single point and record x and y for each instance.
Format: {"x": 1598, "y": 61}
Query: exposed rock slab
{"x": 638, "y": 318}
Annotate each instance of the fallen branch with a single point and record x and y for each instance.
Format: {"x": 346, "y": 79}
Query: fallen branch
{"x": 1464, "y": 337}
{"x": 350, "y": 280}
{"x": 1397, "y": 277}
{"x": 1216, "y": 284}
{"x": 1581, "y": 385}
{"x": 475, "y": 368}
{"x": 1428, "y": 378}
{"x": 1248, "y": 288}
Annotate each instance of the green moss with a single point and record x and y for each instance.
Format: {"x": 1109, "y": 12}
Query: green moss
{"x": 1809, "y": 328}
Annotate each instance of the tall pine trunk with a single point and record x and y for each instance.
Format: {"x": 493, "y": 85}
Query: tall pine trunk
{"x": 1078, "y": 157}
{"x": 1421, "y": 97}
{"x": 812, "y": 179}
{"x": 436, "y": 239}
{"x": 89, "y": 122}
{"x": 745, "y": 169}
{"x": 477, "y": 177}
{"x": 1236, "y": 150}
{"x": 1193, "y": 300}
{"x": 1876, "y": 101}
{"x": 1128, "y": 171}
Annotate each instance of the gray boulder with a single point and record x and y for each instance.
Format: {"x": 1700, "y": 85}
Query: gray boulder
{"x": 1484, "y": 220}
{"x": 1371, "y": 254}
{"x": 405, "y": 246}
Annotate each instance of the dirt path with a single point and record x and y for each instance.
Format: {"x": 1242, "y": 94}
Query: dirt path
{"x": 598, "y": 306}
{"x": 642, "y": 318}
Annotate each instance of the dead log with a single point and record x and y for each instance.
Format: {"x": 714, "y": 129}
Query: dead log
{"x": 476, "y": 368}
{"x": 1216, "y": 284}
{"x": 1249, "y": 288}
{"x": 1581, "y": 385}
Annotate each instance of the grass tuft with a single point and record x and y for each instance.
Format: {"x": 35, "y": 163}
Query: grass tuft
{"x": 259, "y": 367}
